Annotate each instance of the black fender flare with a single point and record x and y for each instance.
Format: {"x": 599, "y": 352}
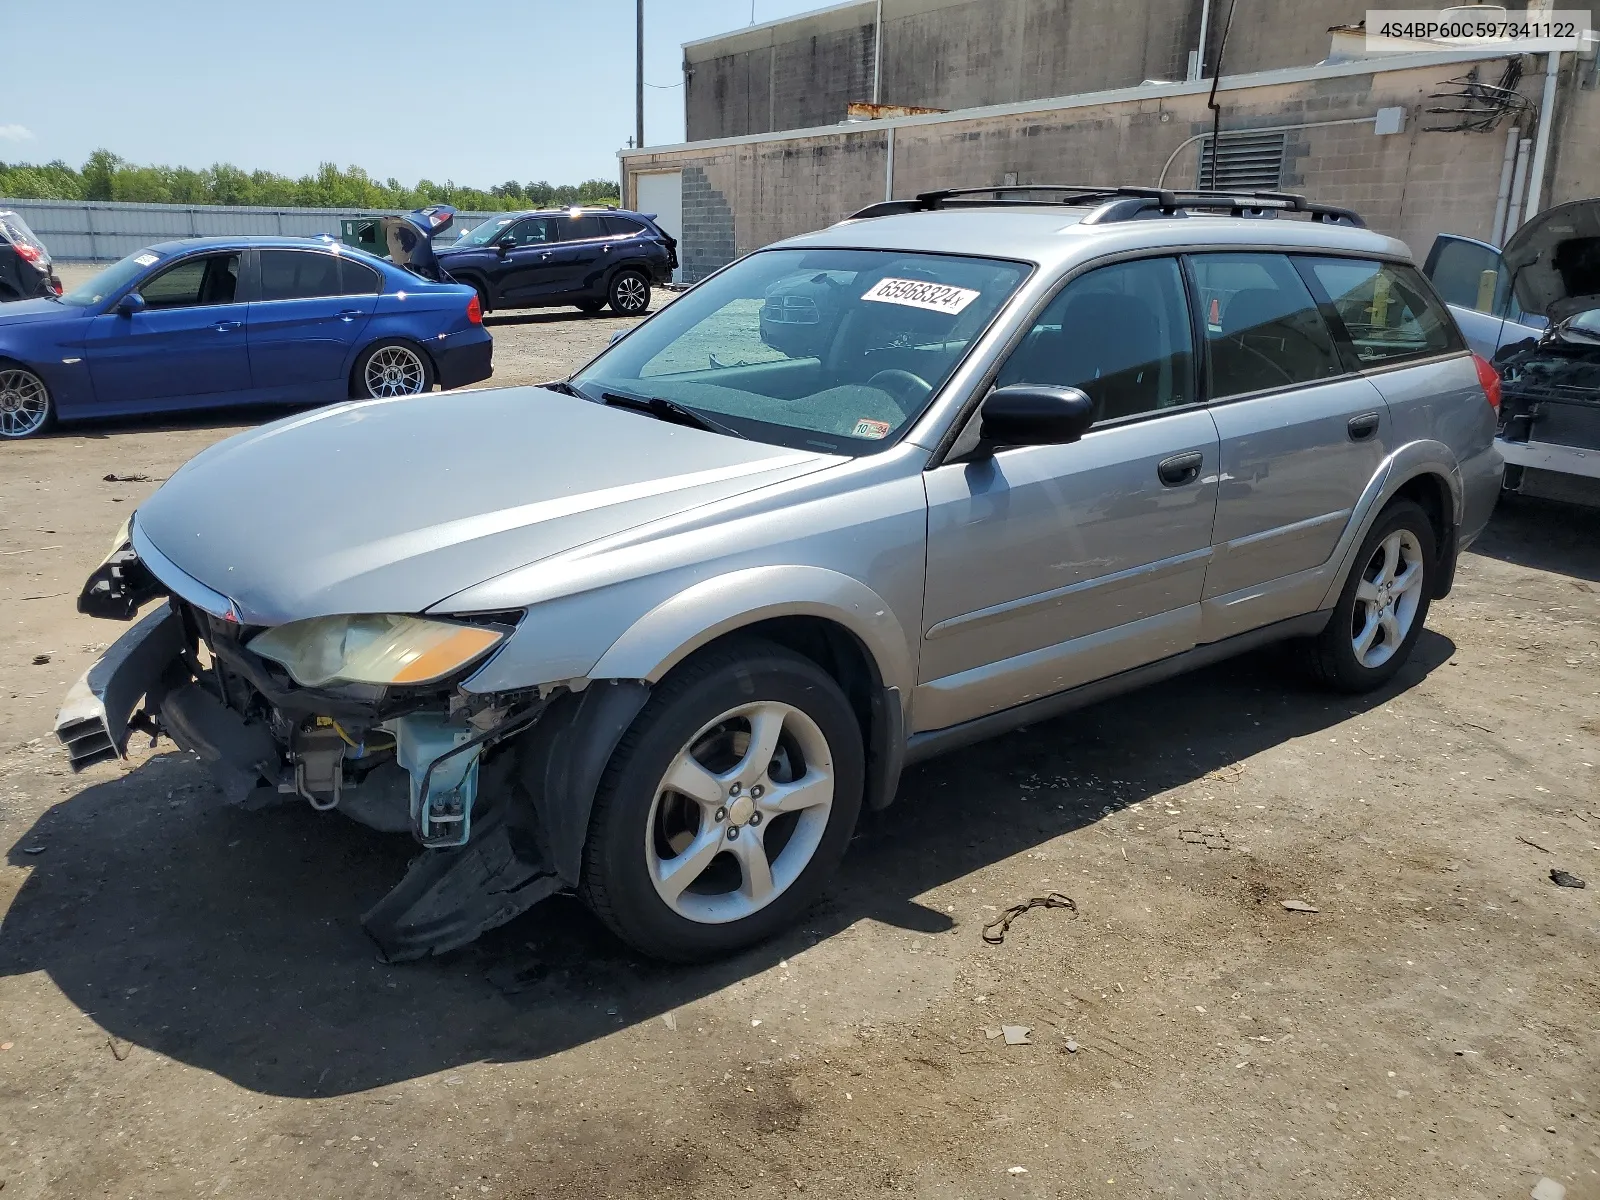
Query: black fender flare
{"x": 558, "y": 770}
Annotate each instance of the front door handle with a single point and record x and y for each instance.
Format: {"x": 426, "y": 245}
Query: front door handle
{"x": 1180, "y": 468}
{"x": 1363, "y": 427}
{"x": 225, "y": 326}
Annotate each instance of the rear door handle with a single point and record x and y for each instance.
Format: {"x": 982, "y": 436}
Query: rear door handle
{"x": 350, "y": 314}
{"x": 1180, "y": 468}
{"x": 225, "y": 326}
{"x": 1363, "y": 427}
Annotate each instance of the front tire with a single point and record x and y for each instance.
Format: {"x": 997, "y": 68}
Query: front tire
{"x": 391, "y": 367}
{"x": 726, "y": 806}
{"x": 1384, "y": 603}
{"x": 589, "y": 307}
{"x": 629, "y": 294}
{"x": 26, "y": 407}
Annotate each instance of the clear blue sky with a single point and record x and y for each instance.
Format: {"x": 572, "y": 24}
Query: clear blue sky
{"x": 478, "y": 93}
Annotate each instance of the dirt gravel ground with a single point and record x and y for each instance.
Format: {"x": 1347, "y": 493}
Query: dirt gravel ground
{"x": 188, "y": 1006}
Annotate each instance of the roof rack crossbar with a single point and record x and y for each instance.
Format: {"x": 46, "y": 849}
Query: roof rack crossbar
{"x": 1115, "y": 203}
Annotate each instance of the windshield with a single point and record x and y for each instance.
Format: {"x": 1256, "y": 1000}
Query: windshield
{"x": 834, "y": 350}
{"x": 485, "y": 233}
{"x": 112, "y": 280}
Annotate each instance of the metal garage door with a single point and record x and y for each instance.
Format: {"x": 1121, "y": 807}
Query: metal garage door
{"x": 661, "y": 192}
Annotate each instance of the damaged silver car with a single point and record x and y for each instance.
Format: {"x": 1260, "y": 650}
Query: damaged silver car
{"x": 658, "y": 633}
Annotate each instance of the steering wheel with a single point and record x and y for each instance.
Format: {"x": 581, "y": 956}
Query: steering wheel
{"x": 902, "y": 385}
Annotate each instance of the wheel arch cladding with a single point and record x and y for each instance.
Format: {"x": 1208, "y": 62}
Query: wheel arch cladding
{"x": 1431, "y": 492}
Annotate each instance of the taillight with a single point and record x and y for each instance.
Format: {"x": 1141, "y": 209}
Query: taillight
{"x": 30, "y": 253}
{"x": 1489, "y": 380}
{"x": 475, "y": 312}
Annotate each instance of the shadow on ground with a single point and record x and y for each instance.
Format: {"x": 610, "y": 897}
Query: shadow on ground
{"x": 229, "y": 940}
{"x": 1547, "y": 535}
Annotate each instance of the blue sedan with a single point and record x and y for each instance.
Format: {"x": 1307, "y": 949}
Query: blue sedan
{"x": 209, "y": 322}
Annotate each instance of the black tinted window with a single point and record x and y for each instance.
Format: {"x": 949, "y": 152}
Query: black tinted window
{"x": 358, "y": 279}
{"x": 577, "y": 229}
{"x": 298, "y": 274}
{"x": 1470, "y": 275}
{"x": 535, "y": 231}
{"x": 1120, "y": 333}
{"x": 1263, "y": 329}
{"x": 621, "y": 226}
{"x": 1386, "y": 309}
{"x": 211, "y": 279}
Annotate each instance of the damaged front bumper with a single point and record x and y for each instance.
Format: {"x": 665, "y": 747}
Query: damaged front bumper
{"x": 497, "y": 790}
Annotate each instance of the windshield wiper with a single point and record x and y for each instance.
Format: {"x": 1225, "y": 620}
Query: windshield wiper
{"x": 565, "y": 388}
{"x": 670, "y": 410}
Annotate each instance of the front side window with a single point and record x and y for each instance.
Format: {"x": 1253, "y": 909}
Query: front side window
{"x": 1263, "y": 329}
{"x": 535, "y": 231}
{"x": 207, "y": 279}
{"x": 298, "y": 275}
{"x": 1386, "y": 309}
{"x": 834, "y": 350}
{"x": 1120, "y": 333}
{"x": 111, "y": 280}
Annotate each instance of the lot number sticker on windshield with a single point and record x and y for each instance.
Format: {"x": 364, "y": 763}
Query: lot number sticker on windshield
{"x": 868, "y": 428}
{"x": 144, "y": 260}
{"x": 919, "y": 293}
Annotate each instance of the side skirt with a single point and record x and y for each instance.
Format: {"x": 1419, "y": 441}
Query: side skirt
{"x": 933, "y": 742}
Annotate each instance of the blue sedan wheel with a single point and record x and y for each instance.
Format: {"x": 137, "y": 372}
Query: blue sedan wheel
{"x": 393, "y": 369}
{"x": 24, "y": 403}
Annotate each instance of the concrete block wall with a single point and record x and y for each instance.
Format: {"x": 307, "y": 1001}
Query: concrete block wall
{"x": 1412, "y": 185}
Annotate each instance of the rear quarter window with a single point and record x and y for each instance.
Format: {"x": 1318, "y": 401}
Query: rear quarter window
{"x": 1388, "y": 310}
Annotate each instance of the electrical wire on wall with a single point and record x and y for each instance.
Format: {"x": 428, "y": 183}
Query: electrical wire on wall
{"x": 1211, "y": 100}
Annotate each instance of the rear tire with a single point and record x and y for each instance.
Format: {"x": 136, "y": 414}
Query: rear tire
{"x": 629, "y": 294}
{"x": 1380, "y": 612}
{"x": 391, "y": 367}
{"x": 26, "y": 407}
{"x": 589, "y": 307}
{"x": 738, "y": 848}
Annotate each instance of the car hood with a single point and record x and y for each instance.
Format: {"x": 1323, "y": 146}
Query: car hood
{"x": 394, "y": 505}
{"x": 20, "y": 312}
{"x": 1555, "y": 259}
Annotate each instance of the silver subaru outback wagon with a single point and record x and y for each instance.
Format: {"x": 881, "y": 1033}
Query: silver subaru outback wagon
{"x": 659, "y": 632}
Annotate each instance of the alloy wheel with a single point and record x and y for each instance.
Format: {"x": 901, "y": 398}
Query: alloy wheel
{"x": 395, "y": 371}
{"x": 1387, "y": 598}
{"x": 632, "y": 294}
{"x": 739, "y": 813}
{"x": 24, "y": 403}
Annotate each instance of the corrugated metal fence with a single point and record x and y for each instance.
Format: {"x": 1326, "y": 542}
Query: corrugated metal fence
{"x": 89, "y": 230}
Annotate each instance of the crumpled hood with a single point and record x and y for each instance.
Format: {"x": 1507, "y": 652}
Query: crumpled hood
{"x": 393, "y": 505}
{"x": 1555, "y": 259}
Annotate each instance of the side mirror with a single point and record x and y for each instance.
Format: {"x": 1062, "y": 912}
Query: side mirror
{"x": 1033, "y": 414}
{"x": 505, "y": 243}
{"x": 130, "y": 304}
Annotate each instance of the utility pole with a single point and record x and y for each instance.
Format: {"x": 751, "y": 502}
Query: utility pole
{"x": 638, "y": 74}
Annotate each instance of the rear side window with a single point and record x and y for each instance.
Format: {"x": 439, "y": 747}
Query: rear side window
{"x": 1386, "y": 308}
{"x": 621, "y": 226}
{"x": 579, "y": 229}
{"x": 298, "y": 275}
{"x": 358, "y": 279}
{"x": 1120, "y": 333}
{"x": 1263, "y": 328}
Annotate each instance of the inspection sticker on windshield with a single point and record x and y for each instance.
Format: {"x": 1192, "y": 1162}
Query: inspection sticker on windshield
{"x": 144, "y": 260}
{"x": 919, "y": 293}
{"x": 868, "y": 428}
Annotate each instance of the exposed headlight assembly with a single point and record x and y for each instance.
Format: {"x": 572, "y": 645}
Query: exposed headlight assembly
{"x": 373, "y": 648}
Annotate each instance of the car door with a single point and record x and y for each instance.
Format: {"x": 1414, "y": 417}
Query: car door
{"x": 524, "y": 269}
{"x": 1052, "y": 566}
{"x": 308, "y": 313}
{"x": 188, "y": 341}
{"x": 581, "y": 256}
{"x": 1302, "y": 436}
{"x": 1473, "y": 279}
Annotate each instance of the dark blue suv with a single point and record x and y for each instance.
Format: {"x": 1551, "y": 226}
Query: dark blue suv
{"x": 589, "y": 257}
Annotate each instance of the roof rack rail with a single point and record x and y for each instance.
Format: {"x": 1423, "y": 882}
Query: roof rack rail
{"x": 1114, "y": 204}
